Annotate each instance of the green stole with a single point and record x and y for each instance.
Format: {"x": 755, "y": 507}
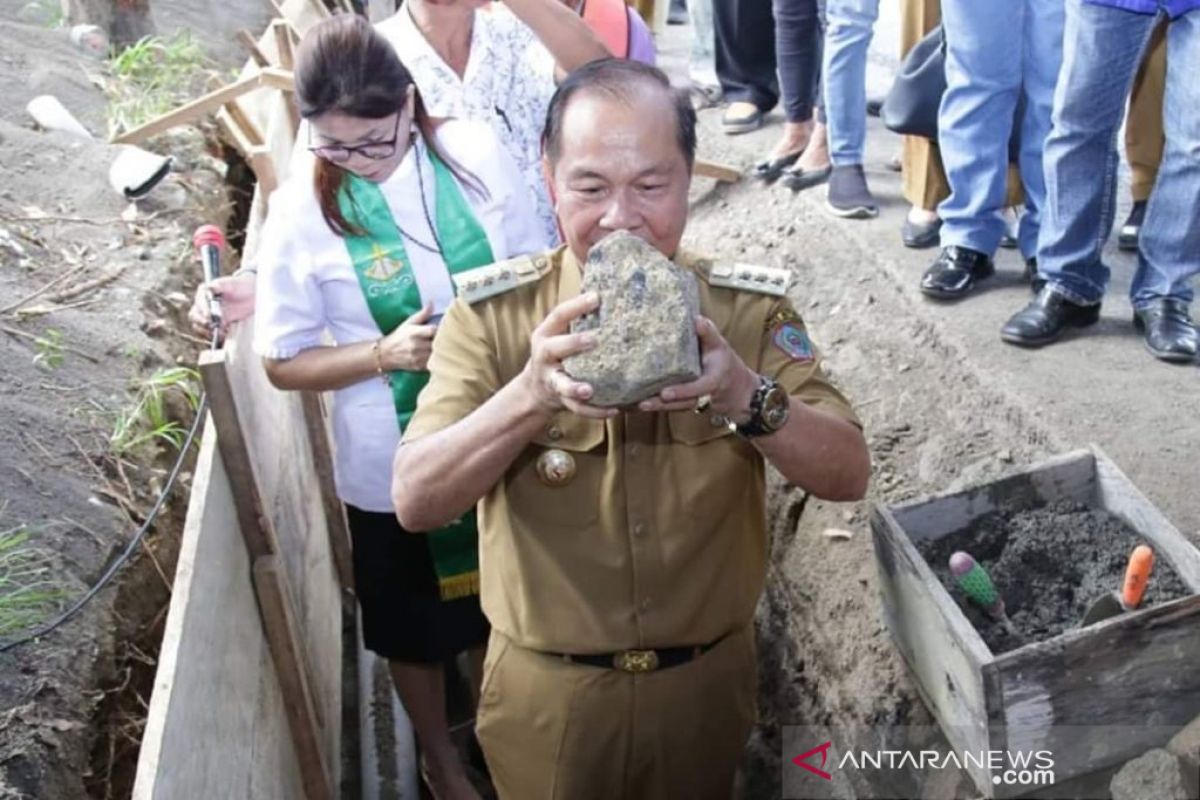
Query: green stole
{"x": 390, "y": 287}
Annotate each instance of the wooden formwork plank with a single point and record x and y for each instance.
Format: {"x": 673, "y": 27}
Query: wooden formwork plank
{"x": 246, "y": 39}
{"x": 711, "y": 169}
{"x": 317, "y": 424}
{"x": 284, "y": 637}
{"x": 216, "y": 725}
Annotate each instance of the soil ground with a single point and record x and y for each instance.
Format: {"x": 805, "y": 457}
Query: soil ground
{"x": 70, "y": 704}
{"x": 1049, "y": 565}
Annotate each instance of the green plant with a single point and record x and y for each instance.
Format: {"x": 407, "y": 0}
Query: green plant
{"x": 49, "y": 349}
{"x": 152, "y": 76}
{"x": 27, "y": 591}
{"x": 146, "y": 419}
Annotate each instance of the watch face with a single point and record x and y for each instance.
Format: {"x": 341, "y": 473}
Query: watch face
{"x": 775, "y": 408}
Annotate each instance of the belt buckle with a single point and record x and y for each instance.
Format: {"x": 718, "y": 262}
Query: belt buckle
{"x": 636, "y": 661}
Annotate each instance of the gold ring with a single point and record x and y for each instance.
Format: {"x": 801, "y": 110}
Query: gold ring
{"x": 703, "y": 403}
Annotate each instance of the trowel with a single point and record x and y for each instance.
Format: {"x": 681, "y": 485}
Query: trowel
{"x": 1137, "y": 575}
{"x": 973, "y": 579}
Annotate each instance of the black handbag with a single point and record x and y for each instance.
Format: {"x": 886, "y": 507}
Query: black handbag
{"x": 911, "y": 107}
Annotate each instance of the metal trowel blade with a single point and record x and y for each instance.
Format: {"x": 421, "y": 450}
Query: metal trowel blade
{"x": 1109, "y": 605}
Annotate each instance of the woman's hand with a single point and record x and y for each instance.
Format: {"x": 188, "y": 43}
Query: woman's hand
{"x": 408, "y": 347}
{"x": 236, "y": 293}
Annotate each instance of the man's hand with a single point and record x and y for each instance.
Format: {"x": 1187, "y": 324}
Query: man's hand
{"x": 552, "y": 388}
{"x": 724, "y": 377}
{"x": 408, "y": 347}
{"x": 236, "y": 293}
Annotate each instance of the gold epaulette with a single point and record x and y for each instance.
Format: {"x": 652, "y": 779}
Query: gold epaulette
{"x": 750, "y": 278}
{"x": 503, "y": 276}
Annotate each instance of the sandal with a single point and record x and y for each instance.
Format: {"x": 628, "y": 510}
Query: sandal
{"x": 769, "y": 169}
{"x": 798, "y": 179}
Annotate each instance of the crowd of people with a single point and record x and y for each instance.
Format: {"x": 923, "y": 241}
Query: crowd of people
{"x": 1034, "y": 95}
{"x": 425, "y": 264}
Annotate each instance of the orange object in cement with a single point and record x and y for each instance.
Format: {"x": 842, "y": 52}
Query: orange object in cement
{"x": 609, "y": 19}
{"x": 1137, "y": 575}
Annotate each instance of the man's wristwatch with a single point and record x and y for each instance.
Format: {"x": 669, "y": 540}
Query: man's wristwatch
{"x": 769, "y": 409}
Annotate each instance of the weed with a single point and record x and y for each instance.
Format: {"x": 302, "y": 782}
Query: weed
{"x": 27, "y": 591}
{"x": 147, "y": 420}
{"x": 152, "y": 76}
{"x": 49, "y": 349}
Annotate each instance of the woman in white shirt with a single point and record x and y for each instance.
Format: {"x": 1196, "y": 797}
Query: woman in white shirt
{"x": 362, "y": 252}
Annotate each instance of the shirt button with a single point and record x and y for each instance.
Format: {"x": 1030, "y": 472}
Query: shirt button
{"x": 633, "y": 450}
{"x": 555, "y": 433}
{"x": 645, "y": 604}
{"x": 639, "y": 529}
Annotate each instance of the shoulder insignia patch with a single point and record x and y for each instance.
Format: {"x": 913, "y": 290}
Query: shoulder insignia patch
{"x": 750, "y": 278}
{"x": 483, "y": 282}
{"x": 792, "y": 339}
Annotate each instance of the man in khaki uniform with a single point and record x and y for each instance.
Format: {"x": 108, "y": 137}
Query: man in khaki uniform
{"x": 622, "y": 551}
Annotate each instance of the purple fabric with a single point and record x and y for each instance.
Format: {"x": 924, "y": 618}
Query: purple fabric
{"x": 641, "y": 41}
{"x": 1173, "y": 7}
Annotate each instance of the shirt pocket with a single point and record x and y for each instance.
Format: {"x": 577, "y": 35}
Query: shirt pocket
{"x": 709, "y": 467}
{"x": 574, "y": 502}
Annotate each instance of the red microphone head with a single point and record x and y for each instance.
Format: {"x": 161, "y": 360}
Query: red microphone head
{"x": 208, "y": 235}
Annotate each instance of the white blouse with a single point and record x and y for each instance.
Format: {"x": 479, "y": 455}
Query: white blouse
{"x": 508, "y": 84}
{"x": 307, "y": 287}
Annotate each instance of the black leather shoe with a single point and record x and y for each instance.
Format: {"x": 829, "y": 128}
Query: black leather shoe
{"x": 798, "y": 179}
{"x": 1168, "y": 330}
{"x": 918, "y": 237}
{"x": 769, "y": 169}
{"x": 954, "y": 273}
{"x": 1127, "y": 238}
{"x": 1045, "y": 318}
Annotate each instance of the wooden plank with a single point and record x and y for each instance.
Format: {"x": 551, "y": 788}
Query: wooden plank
{"x": 1118, "y": 494}
{"x": 216, "y": 725}
{"x": 943, "y": 650}
{"x": 1100, "y": 695}
{"x": 253, "y": 136}
{"x": 256, "y": 55}
{"x": 256, "y": 528}
{"x": 192, "y": 111}
{"x": 317, "y": 424}
{"x": 275, "y": 78}
{"x": 284, "y": 636}
{"x": 1067, "y": 477}
{"x": 712, "y": 169}
{"x": 283, "y": 45}
{"x": 264, "y": 170}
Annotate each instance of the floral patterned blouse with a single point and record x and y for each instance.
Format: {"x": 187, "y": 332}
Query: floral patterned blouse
{"x": 508, "y": 84}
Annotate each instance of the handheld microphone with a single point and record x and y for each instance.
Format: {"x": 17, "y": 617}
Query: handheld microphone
{"x": 208, "y": 241}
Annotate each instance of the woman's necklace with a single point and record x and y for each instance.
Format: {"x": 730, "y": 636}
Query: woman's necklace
{"x": 437, "y": 244}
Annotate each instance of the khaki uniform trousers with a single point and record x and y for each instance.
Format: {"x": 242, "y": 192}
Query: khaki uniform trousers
{"x": 925, "y": 182}
{"x": 1144, "y": 128}
{"x": 556, "y": 730}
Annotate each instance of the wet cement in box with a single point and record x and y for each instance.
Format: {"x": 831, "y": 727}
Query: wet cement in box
{"x": 1049, "y": 564}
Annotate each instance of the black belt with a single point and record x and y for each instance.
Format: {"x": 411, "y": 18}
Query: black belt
{"x": 641, "y": 660}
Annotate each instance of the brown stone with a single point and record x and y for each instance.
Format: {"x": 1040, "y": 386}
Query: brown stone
{"x": 645, "y": 325}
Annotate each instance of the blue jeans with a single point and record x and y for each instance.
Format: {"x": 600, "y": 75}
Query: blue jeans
{"x": 848, "y": 30}
{"x": 1102, "y": 50}
{"x": 996, "y": 50}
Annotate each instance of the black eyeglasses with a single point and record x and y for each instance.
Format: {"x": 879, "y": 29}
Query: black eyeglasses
{"x": 375, "y": 151}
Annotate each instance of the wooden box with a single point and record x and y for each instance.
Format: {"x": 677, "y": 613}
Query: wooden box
{"x": 1093, "y": 697}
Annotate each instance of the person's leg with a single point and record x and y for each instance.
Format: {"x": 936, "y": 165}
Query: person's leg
{"x": 1101, "y": 47}
{"x": 924, "y": 182}
{"x": 983, "y": 78}
{"x": 1041, "y": 62}
{"x": 745, "y": 48}
{"x": 1144, "y": 134}
{"x": 1169, "y": 248}
{"x": 797, "y": 51}
{"x": 702, "y": 69}
{"x": 422, "y": 690}
{"x": 850, "y": 26}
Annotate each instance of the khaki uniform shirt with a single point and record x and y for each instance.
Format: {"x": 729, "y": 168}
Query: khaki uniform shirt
{"x": 660, "y": 539}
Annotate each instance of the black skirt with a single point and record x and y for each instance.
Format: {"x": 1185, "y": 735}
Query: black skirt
{"x": 403, "y": 616}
